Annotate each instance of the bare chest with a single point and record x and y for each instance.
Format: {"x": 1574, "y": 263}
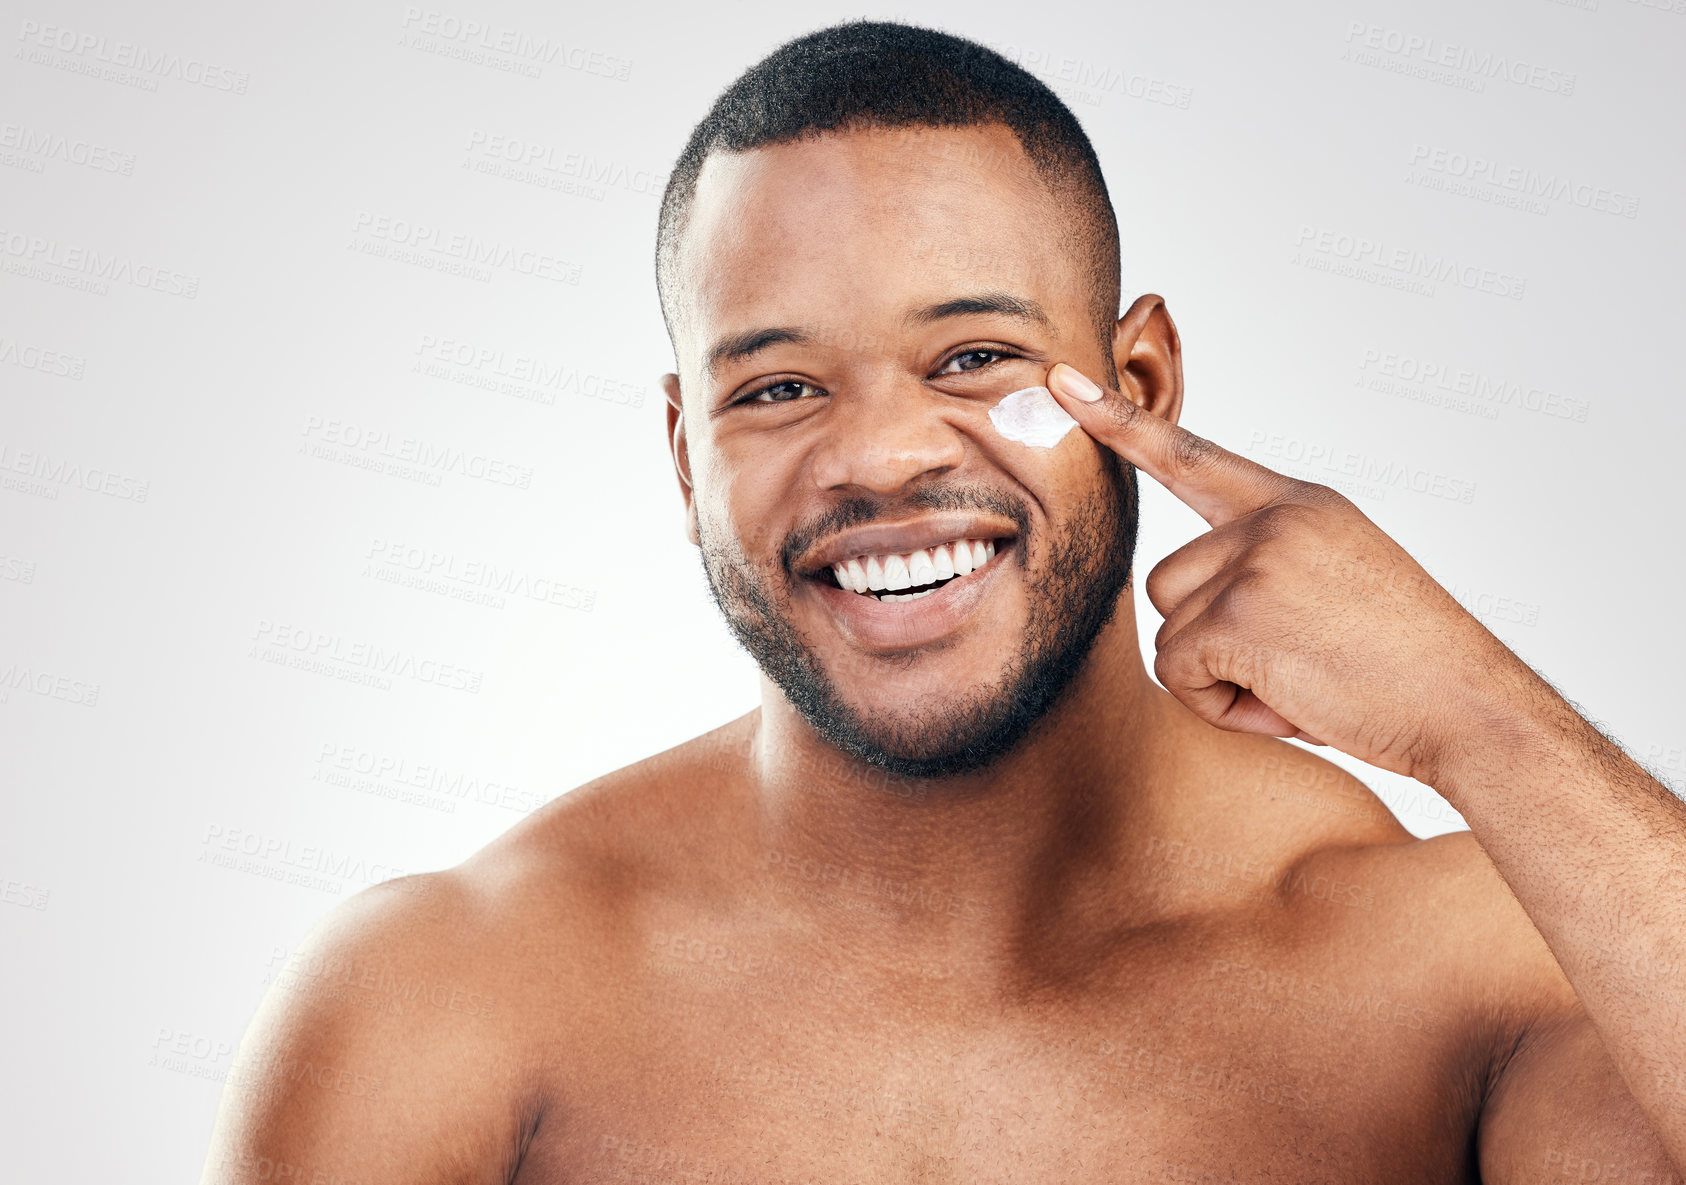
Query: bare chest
{"x": 1214, "y": 1070}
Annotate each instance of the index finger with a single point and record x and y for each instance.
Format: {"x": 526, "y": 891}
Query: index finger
{"x": 1218, "y": 485}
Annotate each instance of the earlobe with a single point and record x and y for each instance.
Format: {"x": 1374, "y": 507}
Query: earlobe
{"x": 680, "y": 451}
{"x": 1149, "y": 356}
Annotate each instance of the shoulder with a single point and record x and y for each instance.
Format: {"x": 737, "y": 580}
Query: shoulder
{"x": 1447, "y": 893}
{"x": 515, "y": 912}
{"x": 410, "y": 1008}
{"x": 392, "y": 1016}
{"x": 1434, "y": 911}
{"x": 627, "y": 833}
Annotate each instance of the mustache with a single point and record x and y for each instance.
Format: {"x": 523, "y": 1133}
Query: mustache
{"x": 860, "y": 510}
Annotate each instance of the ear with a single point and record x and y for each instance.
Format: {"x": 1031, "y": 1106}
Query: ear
{"x": 681, "y": 455}
{"x": 1149, "y": 358}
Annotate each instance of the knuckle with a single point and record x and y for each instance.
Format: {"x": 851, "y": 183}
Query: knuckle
{"x": 1123, "y": 412}
{"x": 1164, "y": 667}
{"x": 1279, "y": 525}
{"x": 1190, "y": 454}
{"x": 1238, "y": 596}
{"x": 1157, "y": 586}
{"x": 1321, "y": 497}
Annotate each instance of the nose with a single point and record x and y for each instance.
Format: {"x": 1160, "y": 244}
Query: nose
{"x": 883, "y": 441}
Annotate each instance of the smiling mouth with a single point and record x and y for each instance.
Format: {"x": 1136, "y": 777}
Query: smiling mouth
{"x": 915, "y": 574}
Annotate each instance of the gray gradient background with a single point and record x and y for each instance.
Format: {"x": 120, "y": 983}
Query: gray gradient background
{"x": 166, "y": 840}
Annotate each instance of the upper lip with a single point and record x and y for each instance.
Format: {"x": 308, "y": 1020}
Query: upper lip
{"x": 902, "y": 538}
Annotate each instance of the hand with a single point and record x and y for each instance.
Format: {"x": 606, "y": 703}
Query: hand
{"x": 1296, "y": 616}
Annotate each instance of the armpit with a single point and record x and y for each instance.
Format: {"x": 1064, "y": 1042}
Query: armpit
{"x": 1559, "y": 1111}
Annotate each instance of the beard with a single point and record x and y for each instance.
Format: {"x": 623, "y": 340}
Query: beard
{"x": 1071, "y": 601}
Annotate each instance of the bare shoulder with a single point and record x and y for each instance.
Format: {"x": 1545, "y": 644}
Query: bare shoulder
{"x": 1447, "y": 898}
{"x": 383, "y": 1045}
{"x": 647, "y": 829}
{"x": 1435, "y": 913}
{"x": 410, "y": 1023}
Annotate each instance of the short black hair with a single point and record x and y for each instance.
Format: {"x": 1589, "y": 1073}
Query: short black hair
{"x": 885, "y": 74}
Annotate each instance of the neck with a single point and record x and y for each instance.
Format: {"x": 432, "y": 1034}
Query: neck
{"x": 1040, "y": 842}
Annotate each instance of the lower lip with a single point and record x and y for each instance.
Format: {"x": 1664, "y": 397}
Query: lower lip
{"x": 902, "y": 625}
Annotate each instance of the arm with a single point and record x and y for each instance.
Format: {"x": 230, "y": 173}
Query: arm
{"x": 1595, "y": 851}
{"x": 1559, "y": 1111}
{"x": 1296, "y": 616}
{"x": 375, "y": 1056}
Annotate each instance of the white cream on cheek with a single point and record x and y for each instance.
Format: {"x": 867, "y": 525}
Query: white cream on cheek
{"x": 1032, "y": 417}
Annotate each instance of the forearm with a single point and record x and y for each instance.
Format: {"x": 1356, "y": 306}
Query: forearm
{"x": 1595, "y": 851}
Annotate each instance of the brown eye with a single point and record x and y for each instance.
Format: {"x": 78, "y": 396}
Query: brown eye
{"x": 785, "y": 392}
{"x": 973, "y": 360}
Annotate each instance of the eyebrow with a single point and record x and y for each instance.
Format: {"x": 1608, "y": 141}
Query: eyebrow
{"x": 739, "y": 346}
{"x": 1003, "y": 304}
{"x": 742, "y": 345}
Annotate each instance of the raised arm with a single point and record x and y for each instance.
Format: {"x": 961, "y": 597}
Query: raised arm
{"x": 1297, "y": 616}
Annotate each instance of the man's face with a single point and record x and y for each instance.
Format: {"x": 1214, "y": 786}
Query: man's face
{"x": 847, "y": 309}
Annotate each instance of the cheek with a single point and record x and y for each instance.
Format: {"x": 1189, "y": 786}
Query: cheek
{"x": 743, "y": 497}
{"x": 1057, "y": 478}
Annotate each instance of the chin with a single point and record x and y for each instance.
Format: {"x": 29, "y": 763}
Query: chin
{"x": 946, "y": 738}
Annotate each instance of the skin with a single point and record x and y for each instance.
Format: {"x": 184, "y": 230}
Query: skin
{"x": 1154, "y": 942}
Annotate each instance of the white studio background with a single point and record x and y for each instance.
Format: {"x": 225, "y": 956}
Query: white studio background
{"x": 228, "y": 288}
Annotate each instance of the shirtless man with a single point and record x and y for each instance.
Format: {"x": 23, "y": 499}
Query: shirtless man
{"x": 970, "y": 898}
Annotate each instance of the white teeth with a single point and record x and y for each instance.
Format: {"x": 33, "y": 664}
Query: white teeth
{"x": 895, "y": 572}
{"x": 941, "y": 562}
{"x": 857, "y": 576}
{"x": 920, "y": 569}
{"x": 874, "y": 573}
{"x": 889, "y": 574}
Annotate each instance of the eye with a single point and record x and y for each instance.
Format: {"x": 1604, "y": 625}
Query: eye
{"x": 975, "y": 359}
{"x": 785, "y": 391}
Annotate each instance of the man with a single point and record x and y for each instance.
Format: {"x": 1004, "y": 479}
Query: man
{"x": 970, "y": 897}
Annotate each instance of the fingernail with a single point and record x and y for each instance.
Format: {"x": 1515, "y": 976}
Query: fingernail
{"x": 1076, "y": 384}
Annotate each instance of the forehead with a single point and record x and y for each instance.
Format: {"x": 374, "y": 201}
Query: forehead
{"x": 840, "y": 230}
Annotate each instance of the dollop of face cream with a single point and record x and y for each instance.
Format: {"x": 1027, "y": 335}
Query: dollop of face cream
{"x": 1033, "y": 417}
